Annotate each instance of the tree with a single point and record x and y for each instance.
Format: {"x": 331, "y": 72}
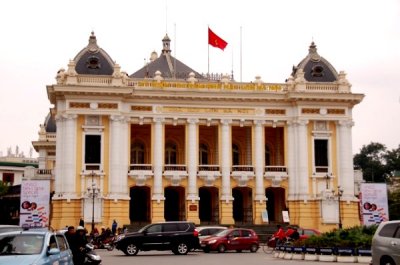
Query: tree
{"x": 371, "y": 160}
{"x": 3, "y": 188}
{"x": 392, "y": 158}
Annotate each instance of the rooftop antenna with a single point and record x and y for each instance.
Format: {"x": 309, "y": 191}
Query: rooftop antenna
{"x": 166, "y": 16}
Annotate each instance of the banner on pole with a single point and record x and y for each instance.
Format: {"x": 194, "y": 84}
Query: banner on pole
{"x": 35, "y": 203}
{"x": 373, "y": 203}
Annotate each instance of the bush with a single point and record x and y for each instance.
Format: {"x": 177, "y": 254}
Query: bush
{"x": 354, "y": 237}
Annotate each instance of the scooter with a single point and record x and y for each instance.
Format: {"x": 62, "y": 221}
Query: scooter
{"x": 91, "y": 257}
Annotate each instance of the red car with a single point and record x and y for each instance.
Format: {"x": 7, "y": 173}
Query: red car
{"x": 231, "y": 239}
{"x": 307, "y": 232}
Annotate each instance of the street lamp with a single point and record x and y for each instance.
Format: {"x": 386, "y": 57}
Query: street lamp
{"x": 340, "y": 193}
{"x": 93, "y": 192}
{"x": 327, "y": 178}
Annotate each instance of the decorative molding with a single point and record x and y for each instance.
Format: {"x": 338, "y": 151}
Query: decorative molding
{"x": 241, "y": 111}
{"x": 79, "y": 105}
{"x": 275, "y": 111}
{"x": 336, "y": 111}
{"x": 108, "y": 105}
{"x": 142, "y": 108}
{"x": 310, "y": 111}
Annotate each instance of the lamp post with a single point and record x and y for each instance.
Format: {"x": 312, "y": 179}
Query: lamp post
{"x": 340, "y": 193}
{"x": 93, "y": 192}
{"x": 327, "y": 178}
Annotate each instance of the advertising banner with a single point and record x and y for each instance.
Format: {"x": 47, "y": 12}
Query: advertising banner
{"x": 35, "y": 203}
{"x": 373, "y": 203}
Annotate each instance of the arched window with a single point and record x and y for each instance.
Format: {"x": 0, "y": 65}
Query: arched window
{"x": 267, "y": 156}
{"x": 137, "y": 152}
{"x": 170, "y": 153}
{"x": 203, "y": 154}
{"x": 235, "y": 155}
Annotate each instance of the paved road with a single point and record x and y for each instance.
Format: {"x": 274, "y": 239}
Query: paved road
{"x": 116, "y": 257}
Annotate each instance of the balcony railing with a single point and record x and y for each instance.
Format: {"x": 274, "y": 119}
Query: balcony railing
{"x": 242, "y": 168}
{"x": 41, "y": 172}
{"x": 209, "y": 168}
{"x": 174, "y": 167}
{"x": 321, "y": 169}
{"x": 282, "y": 169}
{"x": 141, "y": 167}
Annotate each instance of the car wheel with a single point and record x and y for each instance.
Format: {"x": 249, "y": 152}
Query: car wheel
{"x": 253, "y": 248}
{"x": 387, "y": 261}
{"x": 181, "y": 249}
{"x": 221, "y": 248}
{"x": 131, "y": 249}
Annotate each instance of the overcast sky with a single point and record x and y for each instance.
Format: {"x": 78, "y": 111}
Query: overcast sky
{"x": 361, "y": 37}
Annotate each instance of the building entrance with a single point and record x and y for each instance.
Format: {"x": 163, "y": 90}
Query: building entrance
{"x": 242, "y": 205}
{"x": 275, "y": 204}
{"x": 208, "y": 205}
{"x": 139, "y": 205}
{"x": 174, "y": 206}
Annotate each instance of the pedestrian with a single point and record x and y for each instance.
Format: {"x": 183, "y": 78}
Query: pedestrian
{"x": 81, "y": 222}
{"x": 114, "y": 227}
{"x": 80, "y": 244}
{"x": 70, "y": 236}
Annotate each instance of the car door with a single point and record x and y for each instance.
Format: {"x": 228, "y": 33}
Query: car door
{"x": 246, "y": 239}
{"x": 55, "y": 258}
{"x": 65, "y": 252}
{"x": 153, "y": 237}
{"x": 234, "y": 240}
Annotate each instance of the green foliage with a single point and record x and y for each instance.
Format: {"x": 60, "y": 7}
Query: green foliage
{"x": 356, "y": 237}
{"x": 3, "y": 188}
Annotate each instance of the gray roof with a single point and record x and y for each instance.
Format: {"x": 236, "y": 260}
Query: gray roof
{"x": 93, "y": 60}
{"x": 169, "y": 66}
{"x": 316, "y": 68}
{"x": 50, "y": 123}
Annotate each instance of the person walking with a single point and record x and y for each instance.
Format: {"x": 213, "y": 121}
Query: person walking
{"x": 114, "y": 227}
{"x": 81, "y": 222}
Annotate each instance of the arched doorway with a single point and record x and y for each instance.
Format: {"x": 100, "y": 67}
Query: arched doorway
{"x": 208, "y": 205}
{"x": 242, "y": 205}
{"x": 275, "y": 204}
{"x": 139, "y": 205}
{"x": 174, "y": 205}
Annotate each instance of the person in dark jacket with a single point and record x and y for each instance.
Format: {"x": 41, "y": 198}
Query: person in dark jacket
{"x": 114, "y": 227}
{"x": 70, "y": 236}
{"x": 79, "y": 245}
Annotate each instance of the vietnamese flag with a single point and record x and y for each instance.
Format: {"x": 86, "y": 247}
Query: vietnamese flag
{"x": 215, "y": 41}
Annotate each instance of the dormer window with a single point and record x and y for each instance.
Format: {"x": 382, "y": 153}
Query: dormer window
{"x": 317, "y": 71}
{"x": 93, "y": 62}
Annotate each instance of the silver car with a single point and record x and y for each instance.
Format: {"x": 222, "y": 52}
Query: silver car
{"x": 386, "y": 244}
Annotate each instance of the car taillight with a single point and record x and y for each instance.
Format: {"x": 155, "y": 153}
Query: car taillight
{"x": 196, "y": 233}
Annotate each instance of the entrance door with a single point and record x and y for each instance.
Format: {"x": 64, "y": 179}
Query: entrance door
{"x": 139, "y": 205}
{"x": 174, "y": 206}
{"x": 275, "y": 204}
{"x": 242, "y": 205}
{"x": 208, "y": 205}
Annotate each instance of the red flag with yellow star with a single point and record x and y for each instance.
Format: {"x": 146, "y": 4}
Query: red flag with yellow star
{"x": 215, "y": 41}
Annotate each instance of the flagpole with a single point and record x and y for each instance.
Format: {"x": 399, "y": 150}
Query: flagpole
{"x": 240, "y": 53}
{"x": 208, "y": 47}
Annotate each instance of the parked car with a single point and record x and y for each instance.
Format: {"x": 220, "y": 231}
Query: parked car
{"x": 231, "y": 239}
{"x": 385, "y": 245}
{"x": 307, "y": 232}
{"x": 205, "y": 231}
{"x": 9, "y": 228}
{"x": 34, "y": 247}
{"x": 178, "y": 237}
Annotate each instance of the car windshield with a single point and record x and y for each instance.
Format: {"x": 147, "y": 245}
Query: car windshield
{"x": 21, "y": 244}
{"x": 223, "y": 233}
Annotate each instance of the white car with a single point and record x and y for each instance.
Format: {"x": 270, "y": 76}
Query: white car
{"x": 205, "y": 231}
{"x": 386, "y": 244}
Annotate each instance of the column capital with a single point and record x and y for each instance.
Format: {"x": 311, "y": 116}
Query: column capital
{"x": 120, "y": 118}
{"x": 158, "y": 120}
{"x": 226, "y": 121}
{"x": 192, "y": 120}
{"x": 66, "y": 116}
{"x": 346, "y": 123}
{"x": 259, "y": 122}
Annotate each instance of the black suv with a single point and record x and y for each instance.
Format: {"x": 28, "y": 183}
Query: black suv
{"x": 179, "y": 237}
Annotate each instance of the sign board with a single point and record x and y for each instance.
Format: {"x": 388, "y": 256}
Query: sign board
{"x": 264, "y": 216}
{"x": 285, "y": 216}
{"x": 35, "y": 203}
{"x": 373, "y": 203}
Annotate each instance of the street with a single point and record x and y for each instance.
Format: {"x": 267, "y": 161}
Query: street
{"x": 199, "y": 258}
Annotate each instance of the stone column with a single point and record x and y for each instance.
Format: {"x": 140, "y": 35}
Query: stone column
{"x": 302, "y": 159}
{"x": 69, "y": 159}
{"x": 291, "y": 160}
{"x": 193, "y": 159}
{"x": 259, "y": 147}
{"x": 345, "y": 159}
{"x": 158, "y": 154}
{"x": 58, "y": 179}
{"x": 117, "y": 184}
{"x": 226, "y": 154}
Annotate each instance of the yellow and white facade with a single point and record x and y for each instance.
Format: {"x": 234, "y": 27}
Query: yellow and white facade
{"x": 159, "y": 148}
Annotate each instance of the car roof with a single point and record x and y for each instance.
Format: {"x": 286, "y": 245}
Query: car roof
{"x": 207, "y": 227}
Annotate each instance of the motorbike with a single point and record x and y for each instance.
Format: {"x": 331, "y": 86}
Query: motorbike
{"x": 107, "y": 243}
{"x": 91, "y": 257}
